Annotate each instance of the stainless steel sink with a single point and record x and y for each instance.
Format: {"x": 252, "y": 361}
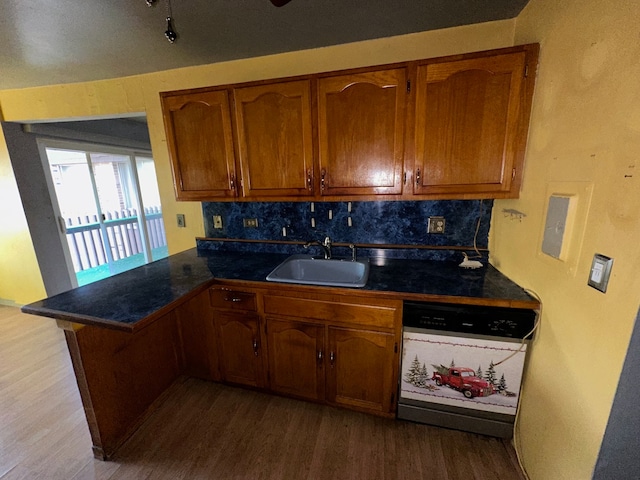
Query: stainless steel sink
{"x": 309, "y": 270}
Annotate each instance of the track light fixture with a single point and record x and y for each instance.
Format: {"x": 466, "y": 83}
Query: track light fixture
{"x": 169, "y": 33}
{"x": 172, "y": 35}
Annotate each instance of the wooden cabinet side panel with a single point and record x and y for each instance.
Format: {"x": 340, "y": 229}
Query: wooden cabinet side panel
{"x": 274, "y": 132}
{"x": 195, "y": 321}
{"x": 296, "y": 358}
{"x": 199, "y": 137}
{"x": 361, "y": 369}
{"x": 123, "y": 374}
{"x": 361, "y": 122}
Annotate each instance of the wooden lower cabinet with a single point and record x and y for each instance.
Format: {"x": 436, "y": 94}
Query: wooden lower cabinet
{"x": 296, "y": 358}
{"x": 360, "y": 371}
{"x": 317, "y": 347}
{"x": 339, "y": 353}
{"x": 239, "y": 348}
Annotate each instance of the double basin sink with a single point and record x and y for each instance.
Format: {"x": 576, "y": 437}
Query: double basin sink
{"x": 309, "y": 270}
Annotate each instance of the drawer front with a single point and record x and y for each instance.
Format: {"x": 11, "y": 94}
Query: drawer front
{"x": 232, "y": 299}
{"x": 336, "y": 312}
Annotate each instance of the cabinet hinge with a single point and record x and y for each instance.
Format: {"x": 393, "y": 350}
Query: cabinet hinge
{"x": 404, "y": 178}
{"x": 526, "y": 70}
{"x": 408, "y": 86}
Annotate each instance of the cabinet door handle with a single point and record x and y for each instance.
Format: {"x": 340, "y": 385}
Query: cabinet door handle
{"x": 320, "y": 356}
{"x": 322, "y": 182}
{"x": 309, "y": 180}
{"x": 332, "y": 358}
{"x": 232, "y": 182}
{"x": 418, "y": 177}
{"x": 232, "y": 299}
{"x": 255, "y": 347}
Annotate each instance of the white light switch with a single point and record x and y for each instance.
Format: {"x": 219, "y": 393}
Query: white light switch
{"x": 600, "y": 272}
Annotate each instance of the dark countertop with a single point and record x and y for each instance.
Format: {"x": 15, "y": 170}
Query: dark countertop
{"x": 145, "y": 293}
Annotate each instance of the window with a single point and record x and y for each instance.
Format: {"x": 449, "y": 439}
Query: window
{"x": 109, "y": 207}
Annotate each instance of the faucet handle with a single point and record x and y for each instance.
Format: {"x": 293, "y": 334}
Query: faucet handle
{"x": 353, "y": 252}
{"x": 327, "y": 241}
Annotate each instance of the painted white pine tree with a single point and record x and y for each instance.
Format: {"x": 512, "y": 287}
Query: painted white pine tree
{"x": 424, "y": 376}
{"x": 490, "y": 374}
{"x": 413, "y": 374}
{"x": 502, "y": 384}
{"x": 479, "y": 372}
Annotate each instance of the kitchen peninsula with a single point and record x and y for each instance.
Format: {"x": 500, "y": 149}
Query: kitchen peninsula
{"x": 212, "y": 315}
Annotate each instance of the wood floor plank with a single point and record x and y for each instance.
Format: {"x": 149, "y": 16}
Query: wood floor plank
{"x": 210, "y": 431}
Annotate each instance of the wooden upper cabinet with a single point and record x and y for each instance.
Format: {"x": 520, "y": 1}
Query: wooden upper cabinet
{"x": 274, "y": 134}
{"x": 467, "y": 124}
{"x": 200, "y": 141}
{"x": 452, "y": 127}
{"x": 361, "y": 123}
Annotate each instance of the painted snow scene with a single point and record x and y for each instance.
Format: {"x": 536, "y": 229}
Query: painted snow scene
{"x": 463, "y": 372}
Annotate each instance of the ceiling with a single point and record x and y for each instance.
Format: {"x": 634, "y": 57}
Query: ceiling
{"x": 45, "y": 42}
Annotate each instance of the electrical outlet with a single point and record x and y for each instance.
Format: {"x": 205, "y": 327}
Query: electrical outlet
{"x": 217, "y": 221}
{"x": 181, "y": 221}
{"x": 436, "y": 225}
{"x": 250, "y": 222}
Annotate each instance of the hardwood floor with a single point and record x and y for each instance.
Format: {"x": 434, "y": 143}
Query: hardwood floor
{"x": 210, "y": 431}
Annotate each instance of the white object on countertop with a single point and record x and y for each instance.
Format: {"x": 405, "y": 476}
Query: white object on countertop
{"x": 466, "y": 263}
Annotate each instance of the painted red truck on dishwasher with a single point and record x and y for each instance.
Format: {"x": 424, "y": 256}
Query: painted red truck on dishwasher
{"x": 464, "y": 380}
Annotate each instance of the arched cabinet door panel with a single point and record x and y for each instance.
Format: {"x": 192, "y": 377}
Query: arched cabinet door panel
{"x": 239, "y": 348}
{"x": 200, "y": 141}
{"x": 361, "y": 129}
{"x": 467, "y": 120}
{"x": 296, "y": 358}
{"x": 360, "y": 369}
{"x": 275, "y": 145}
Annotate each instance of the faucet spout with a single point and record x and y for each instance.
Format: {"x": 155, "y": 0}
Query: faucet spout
{"x": 326, "y": 246}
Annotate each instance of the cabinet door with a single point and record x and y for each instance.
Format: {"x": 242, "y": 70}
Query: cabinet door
{"x": 360, "y": 373}
{"x": 200, "y": 141}
{"x": 361, "y": 120}
{"x": 197, "y": 337}
{"x": 240, "y": 352}
{"x": 466, "y": 124}
{"x": 296, "y": 358}
{"x": 274, "y": 139}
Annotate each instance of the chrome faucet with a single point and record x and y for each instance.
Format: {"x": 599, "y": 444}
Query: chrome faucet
{"x": 326, "y": 246}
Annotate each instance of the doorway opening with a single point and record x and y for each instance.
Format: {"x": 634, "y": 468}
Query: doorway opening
{"x": 108, "y": 206}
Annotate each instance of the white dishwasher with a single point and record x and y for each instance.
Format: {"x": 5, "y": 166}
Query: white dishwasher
{"x": 462, "y": 365}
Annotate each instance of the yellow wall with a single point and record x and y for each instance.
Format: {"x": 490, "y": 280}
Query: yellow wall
{"x": 19, "y": 277}
{"x": 584, "y": 135}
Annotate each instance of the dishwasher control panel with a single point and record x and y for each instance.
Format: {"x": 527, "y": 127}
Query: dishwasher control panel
{"x": 472, "y": 319}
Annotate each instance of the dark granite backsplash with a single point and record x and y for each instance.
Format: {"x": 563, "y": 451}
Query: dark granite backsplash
{"x": 383, "y": 222}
